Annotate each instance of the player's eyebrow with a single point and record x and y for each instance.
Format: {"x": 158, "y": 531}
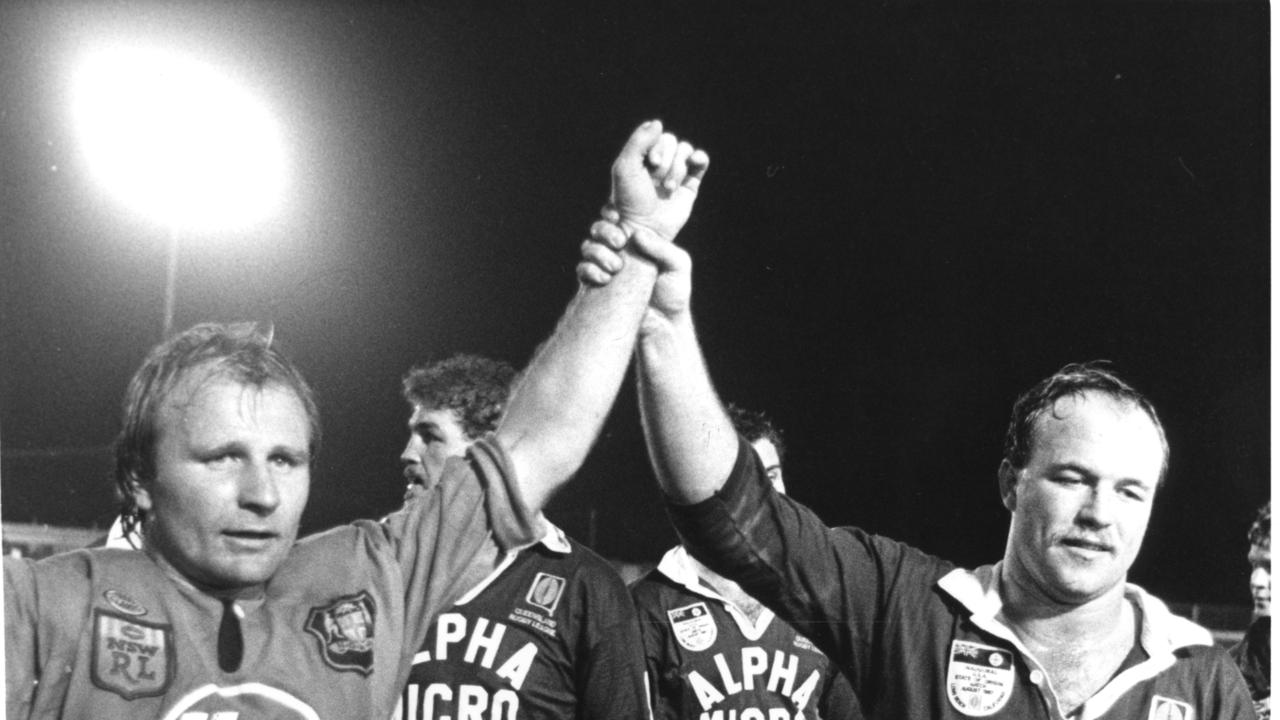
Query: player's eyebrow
{"x": 423, "y": 425}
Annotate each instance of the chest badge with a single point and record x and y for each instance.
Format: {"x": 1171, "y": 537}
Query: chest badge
{"x": 131, "y": 658}
{"x": 693, "y": 626}
{"x": 345, "y": 631}
{"x": 545, "y": 592}
{"x": 980, "y": 678}
{"x": 1163, "y": 708}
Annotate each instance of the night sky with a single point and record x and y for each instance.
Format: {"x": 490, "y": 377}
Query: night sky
{"x": 912, "y": 214}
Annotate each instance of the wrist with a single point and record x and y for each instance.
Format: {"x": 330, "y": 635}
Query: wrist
{"x": 659, "y": 326}
{"x": 632, "y": 225}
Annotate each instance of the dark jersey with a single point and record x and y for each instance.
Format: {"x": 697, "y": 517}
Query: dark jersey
{"x": 551, "y": 635}
{"x": 708, "y": 661}
{"x": 1253, "y": 655}
{"x": 922, "y": 639}
{"x": 107, "y": 633}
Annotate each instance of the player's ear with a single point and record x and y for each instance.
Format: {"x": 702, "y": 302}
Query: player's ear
{"x": 1008, "y": 479}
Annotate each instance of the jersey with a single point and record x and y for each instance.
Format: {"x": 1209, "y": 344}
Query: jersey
{"x": 1253, "y": 655}
{"x": 107, "y": 633}
{"x": 707, "y": 660}
{"x": 921, "y": 638}
{"x": 550, "y": 635}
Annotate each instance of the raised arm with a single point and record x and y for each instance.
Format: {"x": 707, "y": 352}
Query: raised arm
{"x": 556, "y": 410}
{"x": 691, "y": 441}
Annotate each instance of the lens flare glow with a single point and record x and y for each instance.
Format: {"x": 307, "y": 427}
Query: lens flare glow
{"x": 174, "y": 139}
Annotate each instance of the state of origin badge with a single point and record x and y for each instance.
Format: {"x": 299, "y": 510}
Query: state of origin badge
{"x": 693, "y": 626}
{"x": 979, "y": 678}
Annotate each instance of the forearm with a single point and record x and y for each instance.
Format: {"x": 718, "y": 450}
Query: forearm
{"x": 564, "y": 395}
{"x": 692, "y": 444}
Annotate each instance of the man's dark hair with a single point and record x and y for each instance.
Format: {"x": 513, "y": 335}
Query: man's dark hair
{"x": 474, "y": 387}
{"x": 240, "y": 352}
{"x": 1260, "y": 531}
{"x": 754, "y": 426}
{"x": 1075, "y": 379}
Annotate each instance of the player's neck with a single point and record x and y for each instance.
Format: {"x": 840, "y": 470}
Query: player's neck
{"x": 1080, "y": 646}
{"x": 252, "y": 594}
{"x": 1039, "y": 619}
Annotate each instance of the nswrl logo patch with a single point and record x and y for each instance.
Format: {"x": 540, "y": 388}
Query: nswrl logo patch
{"x": 131, "y": 658}
{"x": 979, "y": 678}
{"x": 345, "y": 631}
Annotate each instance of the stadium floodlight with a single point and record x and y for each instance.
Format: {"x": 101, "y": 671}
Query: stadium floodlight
{"x": 174, "y": 139}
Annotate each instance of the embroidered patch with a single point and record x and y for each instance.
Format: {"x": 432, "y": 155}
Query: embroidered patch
{"x": 131, "y": 658}
{"x": 693, "y": 625}
{"x": 979, "y": 678}
{"x": 123, "y": 603}
{"x": 545, "y": 592}
{"x": 345, "y": 631}
{"x": 1163, "y": 708}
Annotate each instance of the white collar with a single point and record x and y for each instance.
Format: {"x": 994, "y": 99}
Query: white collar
{"x": 1161, "y": 632}
{"x": 554, "y": 539}
{"x": 116, "y": 537}
{"x": 680, "y": 568}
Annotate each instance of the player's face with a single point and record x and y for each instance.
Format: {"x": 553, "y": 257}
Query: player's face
{"x": 232, "y": 477}
{"x": 772, "y": 465}
{"x": 1081, "y": 505}
{"x": 435, "y": 435}
{"x": 1260, "y": 579}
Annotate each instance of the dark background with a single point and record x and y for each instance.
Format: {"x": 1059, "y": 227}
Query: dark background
{"x": 913, "y": 213}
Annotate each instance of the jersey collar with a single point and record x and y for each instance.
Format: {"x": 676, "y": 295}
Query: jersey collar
{"x": 555, "y": 540}
{"x": 118, "y": 538}
{"x": 1161, "y": 632}
{"x": 978, "y": 591}
{"x": 680, "y": 568}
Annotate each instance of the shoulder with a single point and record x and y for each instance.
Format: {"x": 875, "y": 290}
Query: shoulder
{"x": 655, "y": 595}
{"x": 79, "y": 566}
{"x": 1204, "y": 657}
{"x": 67, "y": 574}
{"x": 1210, "y": 672}
{"x": 73, "y": 578}
{"x": 591, "y": 564}
{"x": 654, "y": 588}
{"x": 592, "y": 579}
{"x": 894, "y": 562}
{"x": 361, "y": 537}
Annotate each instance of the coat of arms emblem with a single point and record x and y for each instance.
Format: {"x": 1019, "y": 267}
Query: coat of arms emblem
{"x": 345, "y": 630}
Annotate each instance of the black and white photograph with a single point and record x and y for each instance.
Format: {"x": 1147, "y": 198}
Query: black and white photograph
{"x": 720, "y": 361}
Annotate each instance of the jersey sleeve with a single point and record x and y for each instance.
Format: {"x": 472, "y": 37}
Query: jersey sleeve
{"x": 447, "y": 539}
{"x": 840, "y": 587}
{"x": 20, "y": 620}
{"x": 1228, "y": 695}
{"x": 45, "y": 608}
{"x": 611, "y": 676}
{"x": 1253, "y": 656}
